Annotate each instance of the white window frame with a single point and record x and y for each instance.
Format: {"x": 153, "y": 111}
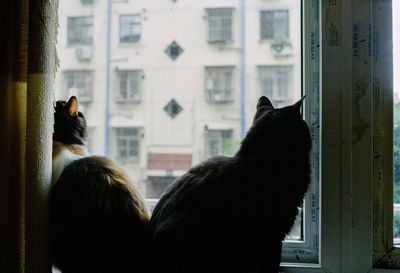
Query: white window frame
{"x": 306, "y": 253}
{"x": 132, "y": 85}
{"x": 220, "y": 24}
{"x": 83, "y": 26}
{"x": 134, "y": 26}
{"x": 219, "y": 86}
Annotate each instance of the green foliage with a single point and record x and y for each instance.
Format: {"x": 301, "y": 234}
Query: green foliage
{"x": 229, "y": 147}
{"x": 396, "y": 152}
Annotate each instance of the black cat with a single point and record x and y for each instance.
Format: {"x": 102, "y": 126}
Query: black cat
{"x": 99, "y": 219}
{"x": 230, "y": 214}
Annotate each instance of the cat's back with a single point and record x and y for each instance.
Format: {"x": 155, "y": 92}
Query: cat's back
{"x": 99, "y": 220}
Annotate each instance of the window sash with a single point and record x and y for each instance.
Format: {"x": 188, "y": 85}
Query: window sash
{"x": 306, "y": 252}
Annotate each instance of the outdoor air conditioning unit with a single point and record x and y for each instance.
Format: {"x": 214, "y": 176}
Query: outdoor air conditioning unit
{"x": 83, "y": 53}
{"x": 281, "y": 48}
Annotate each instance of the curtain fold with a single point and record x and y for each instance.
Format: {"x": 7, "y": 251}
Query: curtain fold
{"x": 27, "y": 54}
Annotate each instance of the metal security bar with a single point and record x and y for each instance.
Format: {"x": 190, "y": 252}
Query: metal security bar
{"x": 127, "y": 85}
{"x": 275, "y": 82}
{"x": 79, "y": 84}
{"x": 220, "y": 24}
{"x": 126, "y": 143}
{"x": 219, "y": 83}
{"x": 80, "y": 30}
{"x": 130, "y": 28}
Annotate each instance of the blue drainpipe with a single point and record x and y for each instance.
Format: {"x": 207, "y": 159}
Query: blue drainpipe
{"x": 243, "y": 71}
{"x": 107, "y": 110}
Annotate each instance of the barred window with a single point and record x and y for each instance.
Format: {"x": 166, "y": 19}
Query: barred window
{"x": 126, "y": 143}
{"x": 275, "y": 82}
{"x": 220, "y": 24}
{"x": 219, "y": 83}
{"x": 127, "y": 85}
{"x": 274, "y": 24}
{"x": 219, "y": 142}
{"x": 80, "y": 30}
{"x": 79, "y": 84}
{"x": 130, "y": 28}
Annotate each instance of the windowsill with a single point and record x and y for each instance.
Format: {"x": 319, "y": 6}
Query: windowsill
{"x": 130, "y": 44}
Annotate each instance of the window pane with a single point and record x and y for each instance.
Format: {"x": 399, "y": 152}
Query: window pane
{"x": 172, "y": 96}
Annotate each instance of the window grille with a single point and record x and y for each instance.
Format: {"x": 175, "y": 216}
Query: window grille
{"x": 80, "y": 30}
{"x": 128, "y": 85}
{"x": 127, "y": 143}
{"x": 219, "y": 83}
{"x": 219, "y": 142}
{"x": 130, "y": 28}
{"x": 220, "y": 24}
{"x": 79, "y": 84}
{"x": 274, "y": 24}
{"x": 276, "y": 83}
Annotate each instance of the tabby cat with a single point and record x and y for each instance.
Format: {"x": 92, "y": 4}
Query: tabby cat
{"x": 99, "y": 219}
{"x": 230, "y": 214}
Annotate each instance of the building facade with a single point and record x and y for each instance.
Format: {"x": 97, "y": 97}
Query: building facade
{"x": 175, "y": 81}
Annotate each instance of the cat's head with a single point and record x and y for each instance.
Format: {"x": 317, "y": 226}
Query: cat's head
{"x": 69, "y": 124}
{"x": 277, "y": 130}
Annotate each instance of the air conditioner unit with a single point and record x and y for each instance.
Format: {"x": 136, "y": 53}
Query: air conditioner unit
{"x": 83, "y": 53}
{"x": 281, "y": 48}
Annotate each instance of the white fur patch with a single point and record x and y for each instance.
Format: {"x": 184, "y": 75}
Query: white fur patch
{"x": 61, "y": 161}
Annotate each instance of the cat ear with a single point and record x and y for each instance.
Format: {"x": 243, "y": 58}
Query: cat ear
{"x": 264, "y": 101}
{"x": 72, "y": 106}
{"x": 298, "y": 104}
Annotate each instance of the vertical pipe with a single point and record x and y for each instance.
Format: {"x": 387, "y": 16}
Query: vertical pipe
{"x": 107, "y": 110}
{"x": 243, "y": 70}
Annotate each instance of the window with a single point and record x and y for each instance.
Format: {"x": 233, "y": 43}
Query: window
{"x": 219, "y": 83}
{"x": 128, "y": 85}
{"x": 130, "y": 28}
{"x": 80, "y": 30}
{"x": 126, "y": 143}
{"x": 156, "y": 185}
{"x": 275, "y": 82}
{"x": 79, "y": 84}
{"x": 274, "y": 24}
{"x": 220, "y": 24}
{"x": 220, "y": 142}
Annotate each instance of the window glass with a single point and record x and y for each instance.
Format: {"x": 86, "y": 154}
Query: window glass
{"x": 164, "y": 96}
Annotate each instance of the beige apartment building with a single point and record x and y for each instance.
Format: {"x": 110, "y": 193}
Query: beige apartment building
{"x": 165, "y": 84}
